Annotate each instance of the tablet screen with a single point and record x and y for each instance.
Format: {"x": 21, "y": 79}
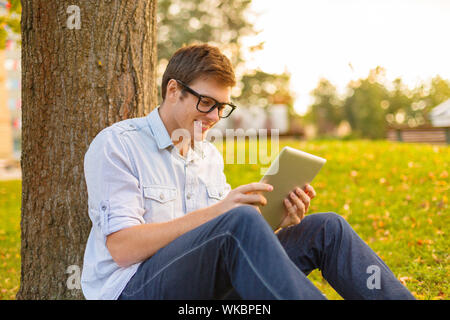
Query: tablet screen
{"x": 292, "y": 168}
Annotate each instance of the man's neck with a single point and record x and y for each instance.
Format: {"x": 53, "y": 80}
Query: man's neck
{"x": 182, "y": 146}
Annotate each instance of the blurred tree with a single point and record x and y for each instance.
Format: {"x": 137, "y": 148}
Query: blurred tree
{"x": 439, "y": 92}
{"x": 429, "y": 95}
{"x": 220, "y": 23}
{"x": 326, "y": 111}
{"x": 410, "y": 107}
{"x": 9, "y": 19}
{"x": 362, "y": 108}
{"x": 372, "y": 104}
{"x": 397, "y": 107}
{"x": 263, "y": 89}
{"x": 223, "y": 24}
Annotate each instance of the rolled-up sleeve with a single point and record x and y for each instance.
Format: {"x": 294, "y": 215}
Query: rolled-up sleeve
{"x": 114, "y": 195}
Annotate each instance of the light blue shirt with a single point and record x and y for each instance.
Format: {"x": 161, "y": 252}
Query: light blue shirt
{"x": 135, "y": 175}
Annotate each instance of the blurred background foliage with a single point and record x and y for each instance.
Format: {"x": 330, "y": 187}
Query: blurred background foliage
{"x": 368, "y": 107}
{"x": 372, "y": 104}
{"x": 9, "y": 20}
{"x": 223, "y": 24}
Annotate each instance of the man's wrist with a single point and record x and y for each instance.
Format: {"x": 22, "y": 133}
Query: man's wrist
{"x": 218, "y": 208}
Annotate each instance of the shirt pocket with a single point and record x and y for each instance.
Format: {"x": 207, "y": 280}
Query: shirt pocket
{"x": 159, "y": 202}
{"x": 215, "y": 193}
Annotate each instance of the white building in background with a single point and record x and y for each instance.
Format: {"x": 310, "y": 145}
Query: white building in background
{"x": 440, "y": 115}
{"x": 10, "y": 87}
{"x": 274, "y": 117}
{"x": 279, "y": 117}
{"x": 253, "y": 117}
{"x": 6, "y": 138}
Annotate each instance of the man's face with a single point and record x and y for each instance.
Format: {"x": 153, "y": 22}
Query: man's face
{"x": 186, "y": 116}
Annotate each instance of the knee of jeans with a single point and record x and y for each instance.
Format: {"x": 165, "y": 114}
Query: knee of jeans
{"x": 243, "y": 216}
{"x": 331, "y": 220}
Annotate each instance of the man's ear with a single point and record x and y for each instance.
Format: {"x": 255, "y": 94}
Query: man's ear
{"x": 172, "y": 90}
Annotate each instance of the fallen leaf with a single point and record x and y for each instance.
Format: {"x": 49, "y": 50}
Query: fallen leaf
{"x": 435, "y": 258}
{"x": 404, "y": 279}
{"x": 419, "y": 260}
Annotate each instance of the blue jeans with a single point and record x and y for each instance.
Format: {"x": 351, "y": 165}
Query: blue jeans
{"x": 237, "y": 255}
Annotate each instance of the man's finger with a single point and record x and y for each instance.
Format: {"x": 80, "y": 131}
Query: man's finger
{"x": 303, "y": 196}
{"x": 310, "y": 191}
{"x": 296, "y": 200}
{"x": 301, "y": 207}
{"x": 289, "y": 206}
{"x": 291, "y": 212}
{"x": 257, "y": 199}
{"x": 254, "y": 187}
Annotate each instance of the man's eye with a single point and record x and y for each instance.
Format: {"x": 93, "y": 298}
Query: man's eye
{"x": 207, "y": 102}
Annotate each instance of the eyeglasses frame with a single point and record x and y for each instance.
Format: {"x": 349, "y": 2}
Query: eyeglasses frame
{"x": 200, "y": 96}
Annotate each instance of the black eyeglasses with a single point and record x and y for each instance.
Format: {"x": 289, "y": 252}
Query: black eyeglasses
{"x": 207, "y": 104}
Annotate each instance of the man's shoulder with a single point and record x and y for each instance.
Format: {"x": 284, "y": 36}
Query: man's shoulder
{"x": 132, "y": 124}
{"x": 123, "y": 126}
{"x": 112, "y": 135}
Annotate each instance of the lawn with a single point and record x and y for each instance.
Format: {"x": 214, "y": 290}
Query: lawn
{"x": 394, "y": 195}
{"x": 10, "y": 198}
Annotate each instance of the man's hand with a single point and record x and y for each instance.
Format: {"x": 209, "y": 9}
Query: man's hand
{"x": 296, "y": 205}
{"x": 249, "y": 194}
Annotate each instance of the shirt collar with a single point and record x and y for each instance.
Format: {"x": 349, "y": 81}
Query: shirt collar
{"x": 163, "y": 140}
{"x": 158, "y": 129}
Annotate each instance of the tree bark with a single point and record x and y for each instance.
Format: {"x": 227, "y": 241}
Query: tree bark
{"x": 76, "y": 80}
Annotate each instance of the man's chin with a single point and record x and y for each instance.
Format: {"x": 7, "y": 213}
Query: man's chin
{"x": 201, "y": 137}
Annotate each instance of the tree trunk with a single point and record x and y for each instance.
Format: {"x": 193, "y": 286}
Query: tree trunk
{"x": 78, "y": 77}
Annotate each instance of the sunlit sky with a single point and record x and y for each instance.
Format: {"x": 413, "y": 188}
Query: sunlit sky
{"x": 342, "y": 40}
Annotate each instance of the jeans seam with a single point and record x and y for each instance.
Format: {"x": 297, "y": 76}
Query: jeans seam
{"x": 254, "y": 269}
{"x": 171, "y": 262}
{"x": 197, "y": 247}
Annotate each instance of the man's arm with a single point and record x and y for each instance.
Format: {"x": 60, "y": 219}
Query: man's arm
{"x": 134, "y": 244}
{"x": 138, "y": 243}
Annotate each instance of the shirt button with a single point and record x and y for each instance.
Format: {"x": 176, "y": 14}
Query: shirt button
{"x": 103, "y": 207}
{"x": 188, "y": 196}
{"x": 161, "y": 196}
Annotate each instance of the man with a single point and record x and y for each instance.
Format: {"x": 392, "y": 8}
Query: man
{"x": 166, "y": 225}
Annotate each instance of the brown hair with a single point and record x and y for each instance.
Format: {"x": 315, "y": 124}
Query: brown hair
{"x": 198, "y": 60}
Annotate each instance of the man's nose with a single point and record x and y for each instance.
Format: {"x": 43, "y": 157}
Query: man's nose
{"x": 213, "y": 116}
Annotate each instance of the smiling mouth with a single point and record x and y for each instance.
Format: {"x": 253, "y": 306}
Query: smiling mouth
{"x": 201, "y": 124}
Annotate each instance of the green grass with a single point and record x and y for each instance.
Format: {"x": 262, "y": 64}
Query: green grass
{"x": 394, "y": 195}
{"x": 10, "y": 199}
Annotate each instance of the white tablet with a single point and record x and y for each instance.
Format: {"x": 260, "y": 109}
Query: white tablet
{"x": 292, "y": 168}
